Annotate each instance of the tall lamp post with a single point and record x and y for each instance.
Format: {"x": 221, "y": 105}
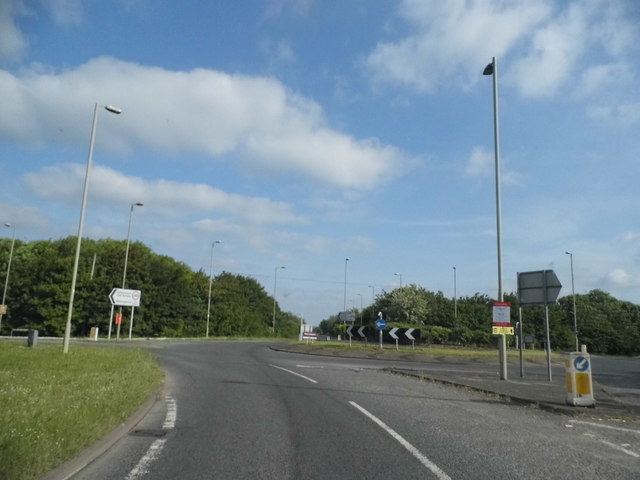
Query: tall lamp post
{"x": 126, "y": 262}
{"x": 74, "y": 276}
{"x": 373, "y": 294}
{"x": 400, "y": 276}
{"x": 275, "y": 283}
{"x": 210, "y": 282}
{"x": 344, "y": 305}
{"x": 492, "y": 69}
{"x": 6, "y": 280}
{"x": 361, "y": 307}
{"x": 455, "y": 295}
{"x": 573, "y": 292}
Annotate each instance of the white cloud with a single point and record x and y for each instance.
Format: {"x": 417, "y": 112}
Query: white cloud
{"x": 276, "y": 8}
{"x": 12, "y": 41}
{"x": 65, "y": 12}
{"x": 214, "y": 114}
{"x": 64, "y": 183}
{"x": 553, "y": 53}
{"x": 620, "y": 277}
{"x": 547, "y": 44}
{"x": 481, "y": 163}
{"x": 453, "y": 37}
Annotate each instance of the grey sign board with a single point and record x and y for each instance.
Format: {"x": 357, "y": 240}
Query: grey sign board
{"x": 541, "y": 287}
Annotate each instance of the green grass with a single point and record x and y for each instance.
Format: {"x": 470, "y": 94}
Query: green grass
{"x": 53, "y": 405}
{"x": 374, "y": 347}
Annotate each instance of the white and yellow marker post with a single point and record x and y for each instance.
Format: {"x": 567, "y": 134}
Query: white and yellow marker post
{"x": 579, "y": 382}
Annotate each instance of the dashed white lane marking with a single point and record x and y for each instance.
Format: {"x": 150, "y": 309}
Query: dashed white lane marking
{"x": 613, "y": 445}
{"x": 437, "y": 471}
{"x": 142, "y": 467}
{"x": 294, "y": 373}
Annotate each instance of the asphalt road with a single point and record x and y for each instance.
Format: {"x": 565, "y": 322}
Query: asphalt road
{"x": 237, "y": 410}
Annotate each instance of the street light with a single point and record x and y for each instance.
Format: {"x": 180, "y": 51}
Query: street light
{"x": 373, "y": 294}
{"x": 6, "y": 280}
{"x": 67, "y": 328}
{"x": 344, "y": 306}
{"x": 275, "y": 283}
{"x": 399, "y": 275}
{"x": 455, "y": 294}
{"x": 573, "y": 291}
{"x": 360, "y": 295}
{"x": 210, "y": 282}
{"x": 492, "y": 69}
{"x": 126, "y": 261}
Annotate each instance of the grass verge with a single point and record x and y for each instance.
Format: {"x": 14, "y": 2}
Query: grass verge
{"x": 390, "y": 350}
{"x": 54, "y": 405}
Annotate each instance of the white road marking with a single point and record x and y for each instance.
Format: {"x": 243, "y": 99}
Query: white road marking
{"x": 172, "y": 413}
{"x": 601, "y": 425}
{"x": 437, "y": 471}
{"x": 142, "y": 467}
{"x": 613, "y": 445}
{"x": 294, "y": 373}
{"x": 310, "y": 366}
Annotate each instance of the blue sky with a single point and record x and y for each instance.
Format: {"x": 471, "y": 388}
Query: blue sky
{"x": 300, "y": 133}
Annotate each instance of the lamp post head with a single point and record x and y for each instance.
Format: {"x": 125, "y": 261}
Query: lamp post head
{"x": 8, "y": 225}
{"x": 112, "y": 109}
{"x": 138, "y": 204}
{"x": 489, "y": 69}
{"x": 568, "y": 253}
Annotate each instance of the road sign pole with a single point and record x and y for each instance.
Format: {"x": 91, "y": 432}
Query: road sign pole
{"x": 110, "y": 322}
{"x": 131, "y": 322}
{"x": 546, "y": 327}
{"x": 520, "y": 342}
{"x": 380, "y": 339}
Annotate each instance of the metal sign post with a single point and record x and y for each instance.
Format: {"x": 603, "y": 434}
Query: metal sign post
{"x": 540, "y": 288}
{"x": 381, "y": 325}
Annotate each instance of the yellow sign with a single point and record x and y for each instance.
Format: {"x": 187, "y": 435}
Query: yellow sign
{"x": 502, "y": 330}
{"x": 3, "y": 309}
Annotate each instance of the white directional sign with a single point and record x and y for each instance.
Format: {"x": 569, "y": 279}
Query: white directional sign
{"x": 124, "y": 297}
{"x": 409, "y": 332}
{"x": 392, "y": 333}
{"x": 347, "y": 317}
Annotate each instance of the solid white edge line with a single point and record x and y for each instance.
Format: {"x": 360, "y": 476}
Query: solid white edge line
{"x": 172, "y": 413}
{"x": 294, "y": 373}
{"x": 437, "y": 471}
{"x": 142, "y": 467}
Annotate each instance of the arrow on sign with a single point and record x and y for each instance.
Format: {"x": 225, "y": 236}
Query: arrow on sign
{"x": 349, "y": 331}
{"x": 408, "y": 333}
{"x": 361, "y": 331}
{"x": 392, "y": 333}
{"x": 124, "y": 297}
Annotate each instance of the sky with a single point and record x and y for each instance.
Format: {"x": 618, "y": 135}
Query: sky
{"x": 302, "y": 133}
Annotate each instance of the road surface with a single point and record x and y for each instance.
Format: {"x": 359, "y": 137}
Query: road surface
{"x": 239, "y": 410}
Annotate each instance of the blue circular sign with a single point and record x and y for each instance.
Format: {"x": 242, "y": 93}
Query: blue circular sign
{"x": 381, "y": 324}
{"x": 581, "y": 364}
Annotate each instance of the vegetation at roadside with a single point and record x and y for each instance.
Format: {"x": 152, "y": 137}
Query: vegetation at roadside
{"x": 489, "y": 353}
{"x": 174, "y": 297}
{"x": 55, "y": 405}
{"x": 606, "y": 325}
